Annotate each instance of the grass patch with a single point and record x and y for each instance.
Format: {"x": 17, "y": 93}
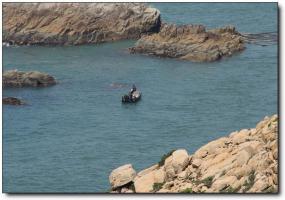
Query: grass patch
{"x": 248, "y": 184}
{"x": 230, "y": 189}
{"x": 163, "y": 158}
{"x": 157, "y": 186}
{"x": 187, "y": 190}
{"x": 208, "y": 181}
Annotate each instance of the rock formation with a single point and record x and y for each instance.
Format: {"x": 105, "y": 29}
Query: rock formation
{"x": 244, "y": 162}
{"x": 12, "y": 101}
{"x": 190, "y": 42}
{"x": 76, "y": 23}
{"x": 14, "y": 78}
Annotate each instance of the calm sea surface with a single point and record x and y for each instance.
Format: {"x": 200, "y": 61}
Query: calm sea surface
{"x": 71, "y": 136}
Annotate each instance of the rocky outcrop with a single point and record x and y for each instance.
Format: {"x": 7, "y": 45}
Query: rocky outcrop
{"x": 12, "y": 101}
{"x": 76, "y": 23}
{"x": 14, "y": 78}
{"x": 122, "y": 176}
{"x": 191, "y": 42}
{"x": 244, "y": 162}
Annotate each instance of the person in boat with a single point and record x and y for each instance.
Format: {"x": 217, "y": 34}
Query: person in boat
{"x": 134, "y": 88}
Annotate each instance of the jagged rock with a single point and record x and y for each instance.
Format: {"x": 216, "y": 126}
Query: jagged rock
{"x": 191, "y": 42}
{"x": 122, "y": 176}
{"x": 76, "y": 23}
{"x": 14, "y": 78}
{"x": 12, "y": 101}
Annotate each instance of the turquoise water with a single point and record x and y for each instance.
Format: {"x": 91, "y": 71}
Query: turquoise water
{"x": 70, "y": 136}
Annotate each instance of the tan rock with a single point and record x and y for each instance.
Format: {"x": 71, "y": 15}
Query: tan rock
{"x": 223, "y": 182}
{"x": 144, "y": 183}
{"x": 176, "y": 163}
{"x": 196, "y": 163}
{"x": 180, "y": 160}
{"x": 159, "y": 176}
{"x": 243, "y": 157}
{"x": 122, "y": 175}
{"x": 76, "y": 23}
{"x": 148, "y": 170}
{"x": 190, "y": 42}
{"x": 259, "y": 185}
{"x": 241, "y": 136}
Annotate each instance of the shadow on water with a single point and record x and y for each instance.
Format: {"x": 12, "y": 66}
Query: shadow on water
{"x": 262, "y": 39}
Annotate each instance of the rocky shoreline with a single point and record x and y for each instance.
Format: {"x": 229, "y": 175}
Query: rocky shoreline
{"x": 246, "y": 161}
{"x": 191, "y": 42}
{"x": 76, "y": 23}
{"x": 91, "y": 23}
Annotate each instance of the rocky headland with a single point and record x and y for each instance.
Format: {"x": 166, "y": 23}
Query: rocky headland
{"x": 76, "y": 23}
{"x": 191, "y": 42}
{"x": 15, "y": 78}
{"x": 246, "y": 161}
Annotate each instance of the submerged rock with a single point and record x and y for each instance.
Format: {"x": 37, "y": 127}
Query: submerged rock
{"x": 14, "y": 78}
{"x": 190, "y": 42}
{"x": 12, "y": 101}
{"x": 76, "y": 23}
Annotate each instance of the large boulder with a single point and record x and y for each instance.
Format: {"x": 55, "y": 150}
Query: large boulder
{"x": 146, "y": 179}
{"x": 14, "y": 78}
{"x": 122, "y": 176}
{"x": 191, "y": 42}
{"x": 76, "y": 23}
{"x": 176, "y": 163}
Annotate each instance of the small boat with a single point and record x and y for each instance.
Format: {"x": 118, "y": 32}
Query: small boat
{"x": 135, "y": 97}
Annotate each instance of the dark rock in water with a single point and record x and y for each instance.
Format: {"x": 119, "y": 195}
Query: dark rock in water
{"x": 12, "y": 101}
{"x": 76, "y": 23}
{"x": 190, "y": 42}
{"x": 14, "y": 78}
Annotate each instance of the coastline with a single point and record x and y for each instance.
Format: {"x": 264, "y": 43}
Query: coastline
{"x": 246, "y": 161}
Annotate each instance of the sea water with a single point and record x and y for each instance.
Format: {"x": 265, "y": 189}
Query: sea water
{"x": 72, "y": 135}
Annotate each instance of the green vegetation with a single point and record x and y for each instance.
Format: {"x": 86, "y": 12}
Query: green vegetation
{"x": 157, "y": 186}
{"x": 163, "y": 158}
{"x": 248, "y": 184}
{"x": 230, "y": 189}
{"x": 207, "y": 181}
{"x": 187, "y": 190}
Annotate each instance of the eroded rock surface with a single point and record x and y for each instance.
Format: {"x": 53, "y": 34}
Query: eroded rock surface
{"x": 244, "y": 162}
{"x": 191, "y": 42}
{"x": 15, "y": 78}
{"x": 76, "y": 23}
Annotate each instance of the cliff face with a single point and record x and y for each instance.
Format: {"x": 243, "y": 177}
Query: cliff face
{"x": 244, "y": 162}
{"x": 191, "y": 42}
{"x": 76, "y": 23}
